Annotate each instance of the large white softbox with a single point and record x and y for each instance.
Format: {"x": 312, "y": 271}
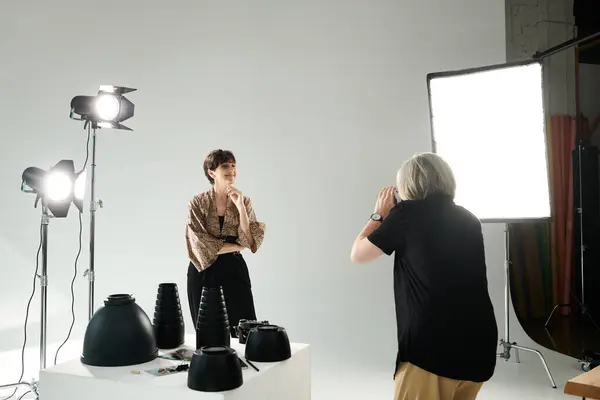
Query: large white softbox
{"x": 489, "y": 125}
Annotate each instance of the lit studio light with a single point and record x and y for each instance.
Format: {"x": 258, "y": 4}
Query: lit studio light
{"x": 79, "y": 189}
{"x": 57, "y": 187}
{"x": 108, "y": 109}
{"x": 489, "y": 125}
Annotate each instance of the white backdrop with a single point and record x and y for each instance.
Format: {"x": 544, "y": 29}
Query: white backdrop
{"x": 320, "y": 100}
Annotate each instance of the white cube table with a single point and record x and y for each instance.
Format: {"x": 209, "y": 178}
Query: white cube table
{"x": 72, "y": 380}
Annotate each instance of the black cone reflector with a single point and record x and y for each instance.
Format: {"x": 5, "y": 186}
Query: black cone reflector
{"x": 119, "y": 334}
{"x": 169, "y": 327}
{"x": 215, "y": 369}
{"x": 212, "y": 326}
{"x": 268, "y": 343}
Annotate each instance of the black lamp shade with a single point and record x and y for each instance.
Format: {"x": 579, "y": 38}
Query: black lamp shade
{"x": 119, "y": 334}
{"x": 212, "y": 326}
{"x": 169, "y": 327}
{"x": 126, "y": 109}
{"x": 268, "y": 343}
{"x": 215, "y": 369}
{"x": 83, "y": 105}
{"x": 107, "y": 109}
{"x": 57, "y": 187}
{"x": 33, "y": 177}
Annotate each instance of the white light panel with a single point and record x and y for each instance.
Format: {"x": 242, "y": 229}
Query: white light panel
{"x": 489, "y": 125}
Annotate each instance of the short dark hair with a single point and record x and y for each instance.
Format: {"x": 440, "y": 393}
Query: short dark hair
{"x": 214, "y": 159}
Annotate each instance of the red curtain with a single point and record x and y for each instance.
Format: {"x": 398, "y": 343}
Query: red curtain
{"x": 542, "y": 254}
{"x": 562, "y": 140}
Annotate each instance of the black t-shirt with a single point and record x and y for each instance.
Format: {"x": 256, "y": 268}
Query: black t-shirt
{"x": 445, "y": 318}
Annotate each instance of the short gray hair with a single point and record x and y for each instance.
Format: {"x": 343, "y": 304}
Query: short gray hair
{"x": 424, "y": 174}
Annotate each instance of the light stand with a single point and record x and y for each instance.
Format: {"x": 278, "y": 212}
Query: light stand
{"x": 105, "y": 110}
{"x": 462, "y": 103}
{"x": 539, "y": 56}
{"x": 44, "y": 287}
{"x": 580, "y": 212}
{"x": 582, "y": 304}
{"x": 94, "y": 205}
{"x": 57, "y": 188}
{"x": 505, "y": 342}
{"x": 43, "y": 277}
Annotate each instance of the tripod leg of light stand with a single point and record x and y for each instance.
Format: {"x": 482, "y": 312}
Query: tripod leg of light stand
{"x": 542, "y": 359}
{"x": 556, "y": 307}
{"x": 506, "y": 344}
{"x": 509, "y": 346}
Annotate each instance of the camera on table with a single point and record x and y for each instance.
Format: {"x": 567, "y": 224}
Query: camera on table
{"x": 244, "y": 327}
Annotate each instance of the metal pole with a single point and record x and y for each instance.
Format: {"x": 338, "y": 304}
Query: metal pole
{"x": 580, "y": 211}
{"x": 507, "y": 283}
{"x": 43, "y": 277}
{"x": 93, "y": 205}
{"x": 505, "y": 342}
{"x": 44, "y": 285}
{"x": 564, "y": 46}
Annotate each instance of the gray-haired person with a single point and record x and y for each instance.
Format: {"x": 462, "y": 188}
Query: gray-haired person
{"x": 446, "y": 327}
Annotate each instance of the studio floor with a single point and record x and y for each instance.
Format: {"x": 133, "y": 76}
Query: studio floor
{"x": 524, "y": 381}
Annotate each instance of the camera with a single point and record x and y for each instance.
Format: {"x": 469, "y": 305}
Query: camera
{"x": 244, "y": 327}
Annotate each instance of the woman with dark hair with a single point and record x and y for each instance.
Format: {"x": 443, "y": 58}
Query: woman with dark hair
{"x": 221, "y": 223}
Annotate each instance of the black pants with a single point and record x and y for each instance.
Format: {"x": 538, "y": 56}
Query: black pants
{"x": 230, "y": 272}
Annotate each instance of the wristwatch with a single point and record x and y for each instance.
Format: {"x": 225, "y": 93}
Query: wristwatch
{"x": 376, "y": 217}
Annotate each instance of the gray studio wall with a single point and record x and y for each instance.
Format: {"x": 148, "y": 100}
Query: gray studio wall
{"x": 537, "y": 25}
{"x": 320, "y": 100}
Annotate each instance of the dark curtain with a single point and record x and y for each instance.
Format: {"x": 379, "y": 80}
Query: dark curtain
{"x": 542, "y": 252}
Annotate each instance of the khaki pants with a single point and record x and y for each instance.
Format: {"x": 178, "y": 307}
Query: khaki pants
{"x": 414, "y": 383}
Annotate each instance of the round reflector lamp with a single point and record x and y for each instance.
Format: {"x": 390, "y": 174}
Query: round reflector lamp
{"x": 119, "y": 334}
